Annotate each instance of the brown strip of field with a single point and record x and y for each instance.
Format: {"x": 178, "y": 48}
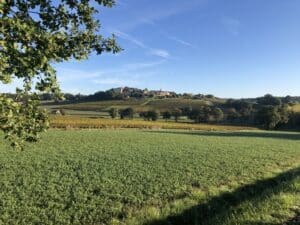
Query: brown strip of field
{"x": 74, "y": 122}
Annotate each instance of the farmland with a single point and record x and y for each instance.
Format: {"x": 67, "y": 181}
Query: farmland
{"x": 296, "y": 108}
{"x": 100, "y": 108}
{"x": 152, "y": 177}
{"x": 188, "y": 112}
{"x": 130, "y": 112}
{"x": 78, "y": 122}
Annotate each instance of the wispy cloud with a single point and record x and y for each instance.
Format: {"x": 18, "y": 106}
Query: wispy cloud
{"x": 129, "y": 38}
{"x": 152, "y": 51}
{"x": 157, "y": 12}
{"x": 160, "y": 52}
{"x": 130, "y": 74}
{"x": 131, "y": 68}
{"x": 180, "y": 41}
{"x": 172, "y": 37}
{"x": 231, "y": 25}
{"x": 142, "y": 65}
{"x": 67, "y": 74}
{"x": 153, "y": 18}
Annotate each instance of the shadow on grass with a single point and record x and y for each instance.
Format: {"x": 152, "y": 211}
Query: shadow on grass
{"x": 218, "y": 208}
{"x": 252, "y": 134}
{"x": 293, "y": 221}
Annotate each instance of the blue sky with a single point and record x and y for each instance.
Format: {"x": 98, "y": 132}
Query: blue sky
{"x": 229, "y": 48}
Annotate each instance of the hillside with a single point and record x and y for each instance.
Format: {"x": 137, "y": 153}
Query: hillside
{"x": 268, "y": 112}
{"x": 100, "y": 108}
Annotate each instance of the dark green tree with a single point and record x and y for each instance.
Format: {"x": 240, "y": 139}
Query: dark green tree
{"x": 143, "y": 115}
{"x": 268, "y": 116}
{"x": 150, "y": 115}
{"x": 167, "y": 115}
{"x": 287, "y": 100}
{"x": 294, "y": 121}
{"x": 269, "y": 100}
{"x": 284, "y": 114}
{"x": 34, "y": 35}
{"x": 205, "y": 113}
{"x": 127, "y": 113}
{"x": 195, "y": 115}
{"x": 113, "y": 112}
{"x": 176, "y": 114}
{"x": 217, "y": 114}
{"x": 232, "y": 115}
{"x": 246, "y": 111}
{"x": 202, "y": 114}
{"x": 186, "y": 111}
{"x": 154, "y": 115}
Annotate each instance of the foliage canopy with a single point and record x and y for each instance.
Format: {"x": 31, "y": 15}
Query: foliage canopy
{"x": 34, "y": 35}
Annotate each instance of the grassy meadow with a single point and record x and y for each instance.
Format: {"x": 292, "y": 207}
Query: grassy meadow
{"x": 152, "y": 177}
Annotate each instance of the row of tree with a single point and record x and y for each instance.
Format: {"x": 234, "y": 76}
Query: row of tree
{"x": 151, "y": 115}
{"x": 268, "y": 112}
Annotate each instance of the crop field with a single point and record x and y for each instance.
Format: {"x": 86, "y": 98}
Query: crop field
{"x": 78, "y": 122}
{"x": 169, "y": 103}
{"x": 103, "y": 105}
{"x": 101, "y": 108}
{"x": 296, "y": 108}
{"x": 131, "y": 177}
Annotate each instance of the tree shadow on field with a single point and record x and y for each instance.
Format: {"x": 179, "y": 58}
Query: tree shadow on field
{"x": 218, "y": 208}
{"x": 275, "y": 135}
{"x": 293, "y": 221}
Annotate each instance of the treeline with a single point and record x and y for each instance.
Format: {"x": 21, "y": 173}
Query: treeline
{"x": 268, "y": 112}
{"x": 129, "y": 92}
{"x": 120, "y": 94}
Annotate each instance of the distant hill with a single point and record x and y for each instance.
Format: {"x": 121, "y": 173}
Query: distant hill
{"x": 138, "y": 105}
{"x": 268, "y": 111}
{"x": 125, "y": 93}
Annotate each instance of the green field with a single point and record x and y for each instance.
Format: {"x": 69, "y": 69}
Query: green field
{"x": 101, "y": 108}
{"x": 152, "y": 177}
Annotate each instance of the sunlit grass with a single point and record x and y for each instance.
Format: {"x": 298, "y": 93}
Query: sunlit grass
{"x": 136, "y": 177}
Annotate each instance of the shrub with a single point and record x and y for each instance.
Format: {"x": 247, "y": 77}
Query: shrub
{"x": 176, "y": 114}
{"x": 217, "y": 113}
{"x": 167, "y": 115}
{"x": 150, "y": 115}
{"x": 113, "y": 112}
{"x": 127, "y": 113}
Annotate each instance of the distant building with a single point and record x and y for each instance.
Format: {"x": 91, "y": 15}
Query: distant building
{"x": 145, "y": 91}
{"x": 118, "y": 90}
{"x": 58, "y": 112}
{"x": 163, "y": 94}
{"x": 156, "y": 93}
{"x": 134, "y": 92}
